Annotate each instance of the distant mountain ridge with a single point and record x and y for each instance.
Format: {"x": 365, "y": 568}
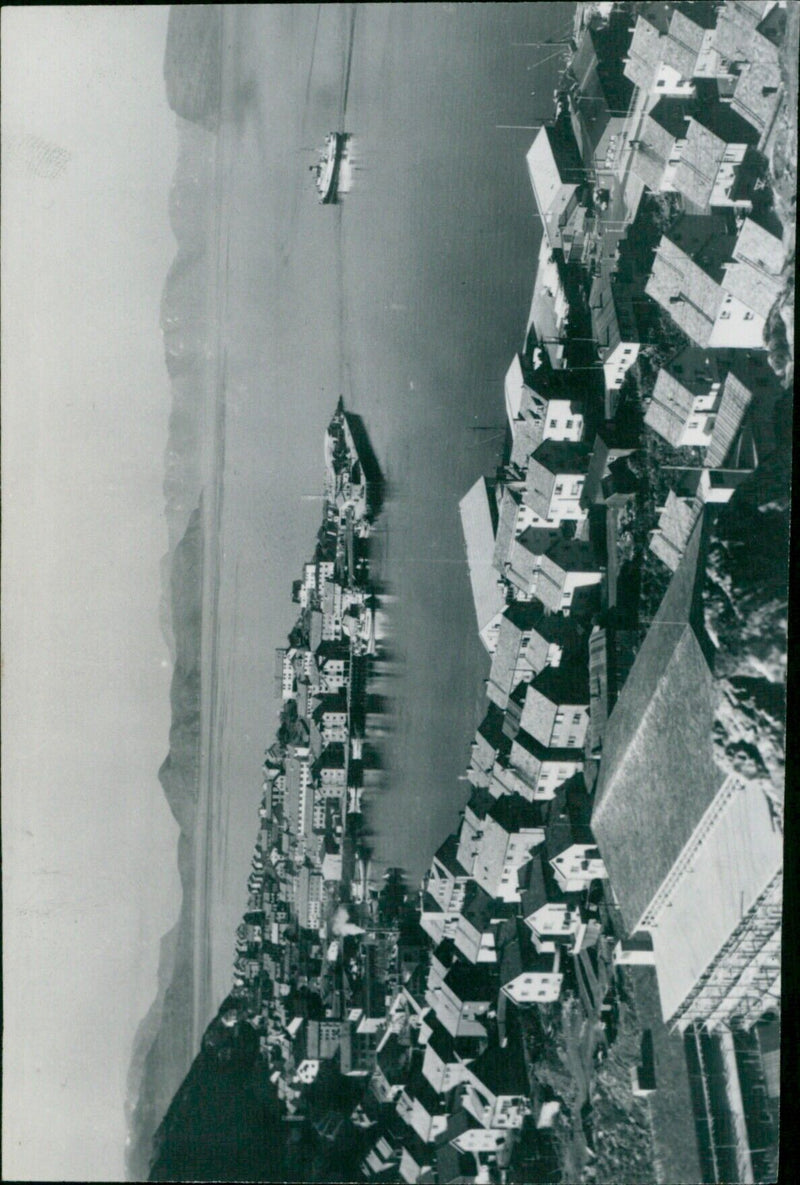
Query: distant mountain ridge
{"x": 163, "y": 1051}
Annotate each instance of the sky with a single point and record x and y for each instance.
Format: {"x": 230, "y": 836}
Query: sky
{"x": 89, "y": 873}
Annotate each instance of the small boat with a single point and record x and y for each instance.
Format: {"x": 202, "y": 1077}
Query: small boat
{"x": 329, "y": 166}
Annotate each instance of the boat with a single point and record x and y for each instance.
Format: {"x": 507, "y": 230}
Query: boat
{"x": 329, "y": 166}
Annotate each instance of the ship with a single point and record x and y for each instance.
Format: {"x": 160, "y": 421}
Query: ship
{"x": 328, "y": 168}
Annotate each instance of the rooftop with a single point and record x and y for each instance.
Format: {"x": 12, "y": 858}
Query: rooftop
{"x": 478, "y": 522}
{"x": 658, "y": 775}
{"x": 502, "y": 1069}
{"x": 735, "y": 401}
{"x": 685, "y": 291}
{"x": 670, "y": 408}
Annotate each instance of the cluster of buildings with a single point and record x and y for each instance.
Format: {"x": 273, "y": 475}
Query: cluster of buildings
{"x": 599, "y": 828}
{"x": 594, "y": 763}
{"x": 312, "y": 970}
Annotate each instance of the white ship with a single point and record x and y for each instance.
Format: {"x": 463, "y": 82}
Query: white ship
{"x": 329, "y": 167}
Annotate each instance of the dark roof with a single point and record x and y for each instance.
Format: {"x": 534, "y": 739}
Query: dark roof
{"x": 567, "y": 683}
{"x": 446, "y": 953}
{"x": 478, "y": 907}
{"x": 534, "y": 891}
{"x": 563, "y": 456}
{"x": 392, "y": 1059}
{"x": 502, "y": 1069}
{"x": 512, "y": 812}
{"x": 658, "y": 775}
{"x": 470, "y": 982}
{"x": 520, "y": 956}
{"x": 446, "y": 855}
{"x": 568, "y": 818}
{"x": 446, "y": 1046}
{"x": 418, "y": 1087}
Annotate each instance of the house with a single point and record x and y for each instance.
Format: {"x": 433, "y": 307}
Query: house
{"x": 528, "y": 976}
{"x": 474, "y": 935}
{"x": 478, "y": 523}
{"x": 472, "y": 826}
{"x": 331, "y": 717}
{"x": 512, "y": 830}
{"x": 530, "y": 638}
{"x": 750, "y": 66}
{"x": 610, "y": 481}
{"x": 557, "y": 925}
{"x": 536, "y": 770}
{"x": 462, "y": 998}
{"x": 556, "y": 173}
{"x": 688, "y": 147}
{"x": 554, "y": 480}
{"x": 422, "y": 1108}
{"x": 489, "y": 744}
{"x": 703, "y": 415}
{"x": 530, "y": 400}
{"x": 669, "y": 50}
{"x": 615, "y": 330}
{"x": 497, "y": 1087}
{"x": 446, "y": 881}
{"x": 554, "y": 708}
{"x": 667, "y": 819}
{"x": 566, "y": 571}
{"x": 570, "y": 846}
{"x": 694, "y": 489}
{"x": 598, "y": 96}
{"x": 549, "y": 309}
{"x": 445, "y": 1057}
{"x": 719, "y": 297}
{"x": 417, "y": 1160}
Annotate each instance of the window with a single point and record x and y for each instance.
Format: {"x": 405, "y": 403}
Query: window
{"x": 560, "y": 488}
{"x": 570, "y": 423}
{"x": 628, "y": 350}
{"x": 554, "y": 423}
{"x": 576, "y": 717}
{"x": 749, "y": 316}
{"x": 661, "y": 82}
{"x": 725, "y": 315}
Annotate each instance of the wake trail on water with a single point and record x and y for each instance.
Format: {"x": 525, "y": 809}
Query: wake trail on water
{"x": 348, "y": 65}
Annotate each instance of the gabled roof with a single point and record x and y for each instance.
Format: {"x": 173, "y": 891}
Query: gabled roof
{"x": 567, "y": 683}
{"x": 502, "y": 1069}
{"x": 754, "y": 275}
{"x": 675, "y": 526}
{"x": 683, "y": 43}
{"x": 478, "y": 522}
{"x": 554, "y": 168}
{"x": 568, "y": 818}
{"x": 471, "y": 983}
{"x": 445, "y": 1046}
{"x": 670, "y": 408}
{"x": 658, "y": 775}
{"x": 644, "y": 54}
{"x": 701, "y": 157}
{"x": 534, "y": 891}
{"x": 685, "y": 291}
{"x": 514, "y": 813}
{"x": 563, "y": 456}
{"x": 446, "y": 855}
{"x": 506, "y": 525}
{"x": 477, "y": 907}
{"x": 736, "y": 399}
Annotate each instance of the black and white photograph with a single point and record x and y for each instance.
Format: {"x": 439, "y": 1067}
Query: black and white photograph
{"x": 396, "y": 484}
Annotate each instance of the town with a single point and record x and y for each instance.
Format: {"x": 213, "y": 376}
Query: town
{"x": 587, "y": 985}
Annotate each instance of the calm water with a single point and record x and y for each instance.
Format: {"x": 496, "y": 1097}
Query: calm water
{"x": 409, "y": 299}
